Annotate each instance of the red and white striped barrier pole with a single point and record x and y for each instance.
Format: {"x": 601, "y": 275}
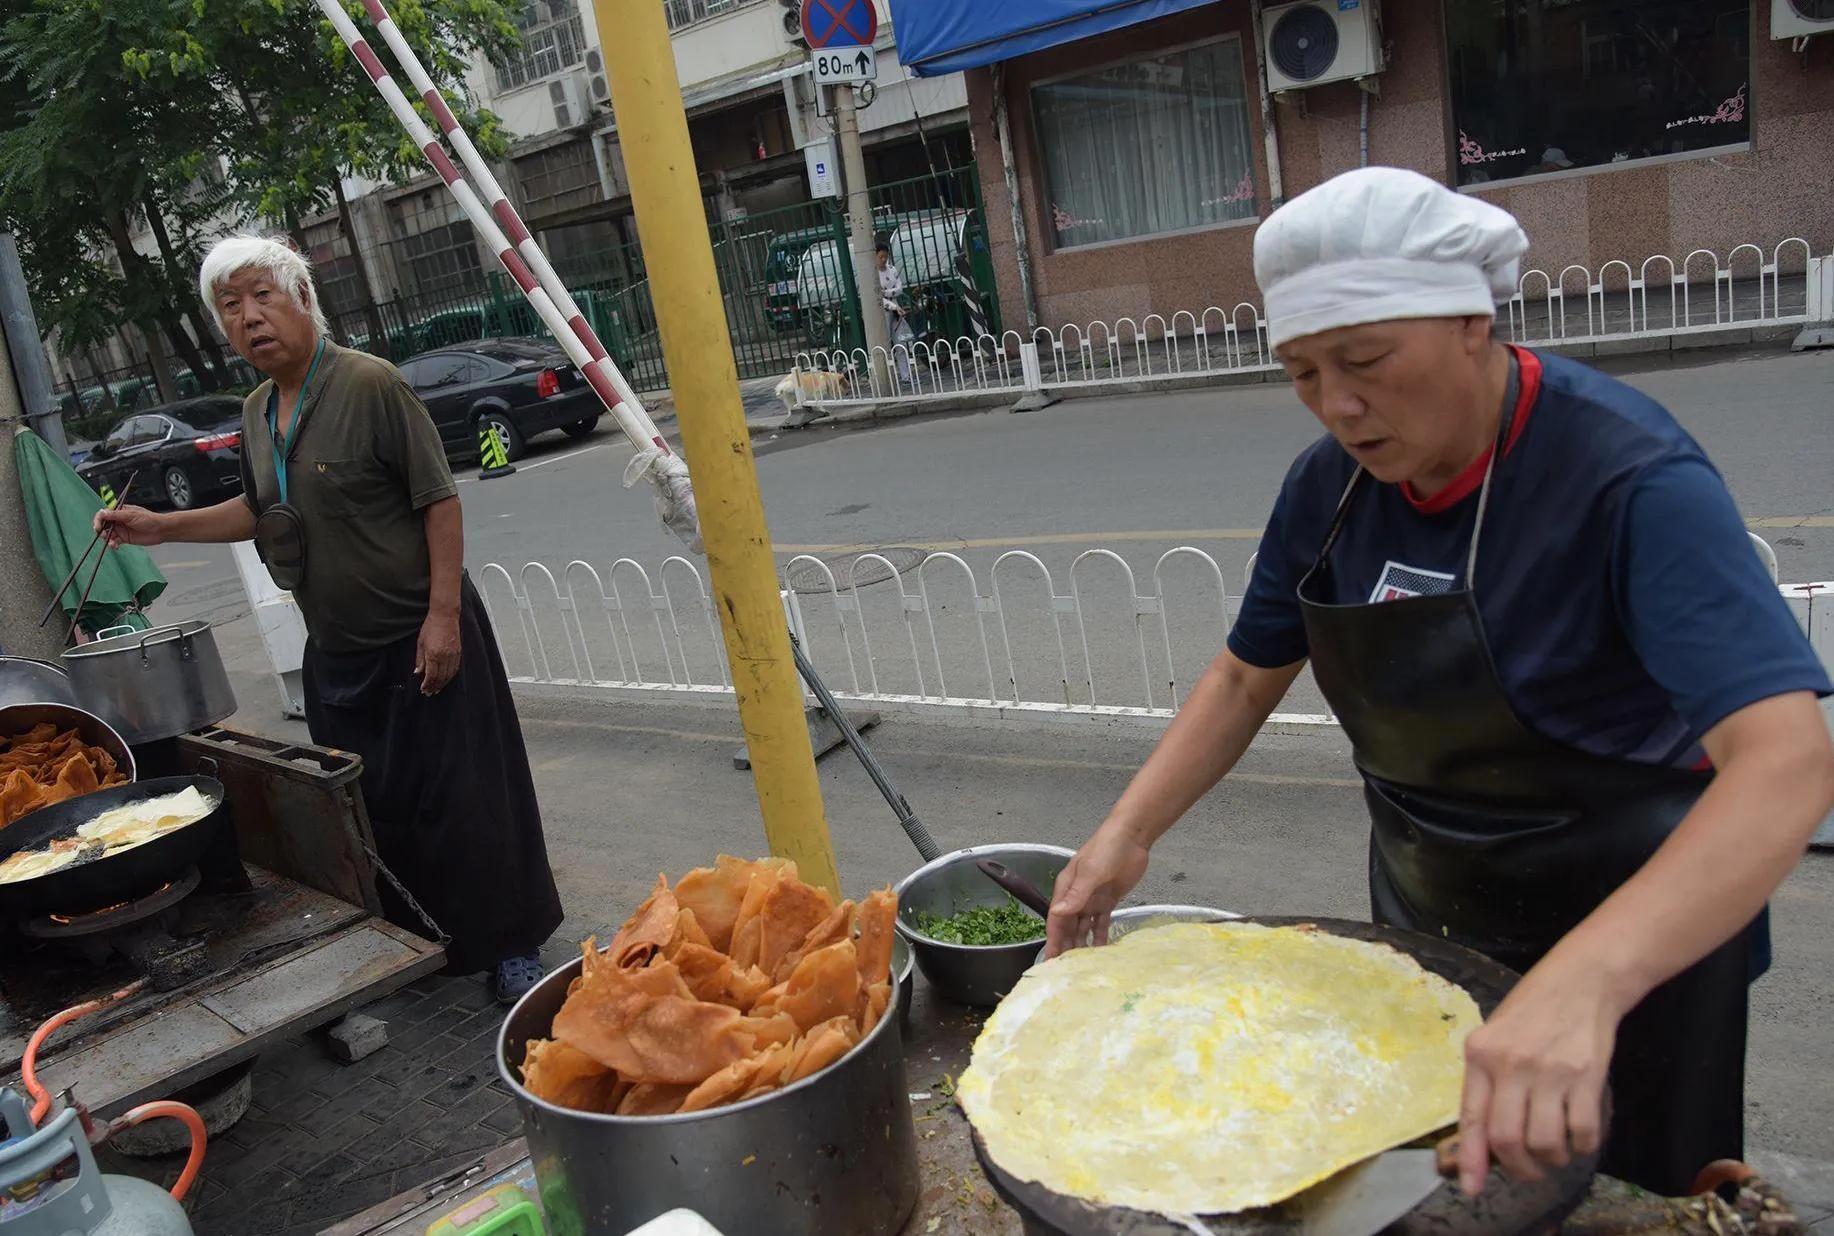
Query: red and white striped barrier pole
{"x": 674, "y": 495}
{"x": 505, "y": 214}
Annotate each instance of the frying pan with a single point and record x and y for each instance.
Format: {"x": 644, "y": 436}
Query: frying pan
{"x": 1504, "y": 1207}
{"x": 114, "y": 878}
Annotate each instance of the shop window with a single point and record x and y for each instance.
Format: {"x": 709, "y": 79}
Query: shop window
{"x": 1549, "y": 85}
{"x": 1155, "y": 145}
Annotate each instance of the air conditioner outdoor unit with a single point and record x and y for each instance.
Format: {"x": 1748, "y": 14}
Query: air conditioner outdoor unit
{"x": 1321, "y": 41}
{"x": 597, "y": 80}
{"x": 1794, "y": 19}
{"x": 568, "y": 95}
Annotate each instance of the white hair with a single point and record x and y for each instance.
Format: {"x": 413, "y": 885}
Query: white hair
{"x": 244, "y": 251}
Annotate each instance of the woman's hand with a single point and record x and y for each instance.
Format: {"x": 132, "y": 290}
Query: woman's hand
{"x": 130, "y": 525}
{"x": 1103, "y": 871}
{"x": 1535, "y": 1072}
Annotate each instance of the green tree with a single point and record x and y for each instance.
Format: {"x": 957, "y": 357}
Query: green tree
{"x": 305, "y": 116}
{"x": 184, "y": 114}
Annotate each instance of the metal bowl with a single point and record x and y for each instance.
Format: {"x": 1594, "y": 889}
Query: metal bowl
{"x": 16, "y": 719}
{"x": 974, "y": 974}
{"x": 1137, "y": 918}
{"x": 25, "y": 681}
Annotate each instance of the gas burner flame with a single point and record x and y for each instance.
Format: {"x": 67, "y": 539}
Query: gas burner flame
{"x": 64, "y": 920}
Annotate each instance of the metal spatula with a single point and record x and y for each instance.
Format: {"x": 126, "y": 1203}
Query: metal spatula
{"x": 1364, "y": 1199}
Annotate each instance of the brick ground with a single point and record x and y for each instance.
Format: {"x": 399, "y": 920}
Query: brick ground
{"x": 323, "y": 1140}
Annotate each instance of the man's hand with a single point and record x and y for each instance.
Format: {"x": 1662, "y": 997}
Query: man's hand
{"x": 1535, "y": 1072}
{"x": 436, "y": 656}
{"x": 1103, "y": 871}
{"x": 130, "y": 525}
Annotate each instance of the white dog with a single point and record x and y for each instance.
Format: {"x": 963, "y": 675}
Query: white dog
{"x": 815, "y": 386}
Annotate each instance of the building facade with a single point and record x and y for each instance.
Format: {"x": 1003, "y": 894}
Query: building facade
{"x": 1613, "y": 129}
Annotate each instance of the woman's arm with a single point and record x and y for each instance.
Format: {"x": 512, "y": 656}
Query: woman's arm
{"x": 1226, "y": 709}
{"x": 1535, "y": 1072}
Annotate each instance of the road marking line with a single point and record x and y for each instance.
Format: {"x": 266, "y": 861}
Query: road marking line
{"x": 1017, "y": 761}
{"x": 542, "y": 463}
{"x": 182, "y": 566}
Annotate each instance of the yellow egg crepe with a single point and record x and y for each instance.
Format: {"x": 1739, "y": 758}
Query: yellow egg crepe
{"x": 1203, "y": 1068}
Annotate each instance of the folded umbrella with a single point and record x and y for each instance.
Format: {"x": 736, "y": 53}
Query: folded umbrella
{"x": 60, "y": 509}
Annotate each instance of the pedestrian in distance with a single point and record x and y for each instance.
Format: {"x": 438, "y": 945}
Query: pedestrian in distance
{"x": 897, "y": 320}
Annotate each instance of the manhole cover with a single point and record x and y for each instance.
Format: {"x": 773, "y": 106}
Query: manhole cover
{"x": 805, "y": 577}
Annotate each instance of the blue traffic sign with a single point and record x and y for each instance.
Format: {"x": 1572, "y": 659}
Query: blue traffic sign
{"x": 839, "y": 23}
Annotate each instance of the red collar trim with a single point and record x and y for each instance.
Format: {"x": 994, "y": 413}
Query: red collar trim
{"x": 1528, "y": 370}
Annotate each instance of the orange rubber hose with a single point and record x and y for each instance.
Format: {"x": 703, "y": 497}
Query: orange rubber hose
{"x": 194, "y": 1162}
{"x": 28, "y": 1064}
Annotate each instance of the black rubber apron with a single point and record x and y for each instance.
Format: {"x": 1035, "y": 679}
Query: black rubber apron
{"x": 1488, "y": 834}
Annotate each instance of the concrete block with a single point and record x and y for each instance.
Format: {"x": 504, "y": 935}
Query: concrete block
{"x": 357, "y": 1036}
{"x": 1633, "y": 346}
{"x": 1578, "y": 351}
{"x": 1719, "y": 337}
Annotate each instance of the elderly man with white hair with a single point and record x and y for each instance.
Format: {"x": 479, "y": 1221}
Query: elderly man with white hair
{"x": 348, "y": 496}
{"x": 1585, "y": 720}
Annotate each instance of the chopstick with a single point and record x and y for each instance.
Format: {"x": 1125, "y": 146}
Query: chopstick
{"x": 71, "y": 578}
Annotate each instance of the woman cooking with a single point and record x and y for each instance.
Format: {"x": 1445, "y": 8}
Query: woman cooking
{"x": 1585, "y": 720}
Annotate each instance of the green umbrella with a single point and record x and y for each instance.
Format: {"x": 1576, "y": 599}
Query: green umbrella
{"x": 61, "y": 509}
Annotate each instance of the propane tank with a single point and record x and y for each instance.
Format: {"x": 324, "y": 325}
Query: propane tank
{"x": 50, "y": 1185}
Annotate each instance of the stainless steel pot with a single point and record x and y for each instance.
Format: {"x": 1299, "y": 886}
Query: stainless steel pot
{"x": 833, "y": 1155}
{"x": 16, "y": 719}
{"x": 970, "y": 973}
{"x": 154, "y": 684}
{"x": 25, "y": 681}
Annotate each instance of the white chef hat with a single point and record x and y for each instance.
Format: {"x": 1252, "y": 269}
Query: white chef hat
{"x": 1382, "y": 243}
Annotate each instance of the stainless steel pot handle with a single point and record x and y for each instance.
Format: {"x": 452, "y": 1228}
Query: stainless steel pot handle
{"x": 177, "y": 632}
{"x": 216, "y": 769}
{"x": 105, "y": 632}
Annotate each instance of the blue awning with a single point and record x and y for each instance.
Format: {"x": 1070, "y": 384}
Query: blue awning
{"x": 947, "y": 36}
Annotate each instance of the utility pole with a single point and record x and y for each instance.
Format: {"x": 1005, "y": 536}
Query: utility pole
{"x": 23, "y": 591}
{"x": 860, "y": 236}
{"x": 22, "y": 338}
{"x": 697, "y": 344}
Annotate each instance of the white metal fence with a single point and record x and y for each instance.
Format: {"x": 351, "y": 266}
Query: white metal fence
{"x": 1097, "y": 641}
{"x": 1658, "y": 297}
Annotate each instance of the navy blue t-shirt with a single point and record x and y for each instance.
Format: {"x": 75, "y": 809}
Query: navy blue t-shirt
{"x": 1624, "y": 604}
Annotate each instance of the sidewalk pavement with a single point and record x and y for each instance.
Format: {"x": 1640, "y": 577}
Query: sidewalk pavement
{"x": 630, "y": 788}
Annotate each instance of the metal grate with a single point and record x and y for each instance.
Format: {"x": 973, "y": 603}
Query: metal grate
{"x": 1813, "y": 10}
{"x": 806, "y": 578}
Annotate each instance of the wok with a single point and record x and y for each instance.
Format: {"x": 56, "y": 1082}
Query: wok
{"x": 114, "y": 878}
{"x": 1503, "y": 1207}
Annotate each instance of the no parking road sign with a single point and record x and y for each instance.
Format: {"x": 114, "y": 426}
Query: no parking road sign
{"x": 839, "y": 23}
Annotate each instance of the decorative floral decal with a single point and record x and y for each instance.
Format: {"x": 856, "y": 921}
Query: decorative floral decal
{"x": 1470, "y": 152}
{"x": 1730, "y": 112}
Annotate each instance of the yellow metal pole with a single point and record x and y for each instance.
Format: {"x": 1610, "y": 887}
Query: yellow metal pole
{"x": 678, "y": 253}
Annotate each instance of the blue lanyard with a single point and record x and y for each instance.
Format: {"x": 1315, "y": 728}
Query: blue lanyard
{"x": 283, "y": 448}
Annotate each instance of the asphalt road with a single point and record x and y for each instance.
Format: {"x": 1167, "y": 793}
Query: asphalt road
{"x": 631, "y": 787}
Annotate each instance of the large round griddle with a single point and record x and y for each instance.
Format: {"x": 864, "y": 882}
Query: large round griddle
{"x": 1504, "y": 1207}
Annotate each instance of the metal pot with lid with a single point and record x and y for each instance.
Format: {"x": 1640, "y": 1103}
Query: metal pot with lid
{"x": 153, "y": 684}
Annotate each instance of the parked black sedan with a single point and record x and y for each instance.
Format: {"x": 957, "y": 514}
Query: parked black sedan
{"x": 521, "y": 386}
{"x": 184, "y": 453}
